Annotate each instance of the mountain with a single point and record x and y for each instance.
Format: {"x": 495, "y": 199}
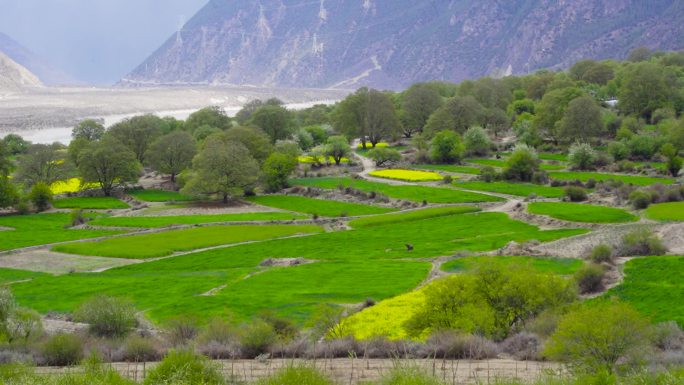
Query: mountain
{"x": 34, "y": 63}
{"x": 14, "y": 77}
{"x": 393, "y": 43}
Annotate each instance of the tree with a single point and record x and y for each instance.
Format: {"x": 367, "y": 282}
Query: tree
{"x": 248, "y": 109}
{"x": 582, "y": 156}
{"x": 419, "y": 102}
{"x": 277, "y": 169}
{"x": 257, "y": 142}
{"x": 496, "y": 120}
{"x": 367, "y": 114}
{"x": 591, "y": 71}
{"x": 674, "y": 162}
{"x": 5, "y": 162}
{"x": 477, "y": 141}
{"x": 9, "y": 195}
{"x": 224, "y": 168}
{"x": 446, "y": 147}
{"x": 75, "y": 147}
{"x": 338, "y": 148}
{"x": 465, "y": 111}
{"x": 581, "y": 121}
{"x": 645, "y": 88}
{"x": 172, "y": 153}
{"x": 15, "y": 144}
{"x": 440, "y": 120}
{"x": 639, "y": 54}
{"x": 41, "y": 196}
{"x": 42, "y": 163}
{"x": 138, "y": 133}
{"x": 594, "y": 338}
{"x": 384, "y": 155}
{"x": 108, "y": 163}
{"x": 208, "y": 116}
{"x": 276, "y": 121}
{"x": 89, "y": 130}
{"x": 552, "y": 107}
{"x": 522, "y": 164}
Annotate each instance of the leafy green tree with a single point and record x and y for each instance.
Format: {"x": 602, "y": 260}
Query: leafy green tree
{"x": 89, "y": 129}
{"x": 492, "y": 93}
{"x": 223, "y": 168}
{"x": 41, "y": 196}
{"x": 16, "y": 144}
{"x": 369, "y": 115}
{"x": 446, "y": 147}
{"x": 526, "y": 132}
{"x": 466, "y": 111}
{"x": 582, "y": 156}
{"x": 277, "y": 170}
{"x": 582, "y": 121}
{"x": 138, "y": 133}
{"x": 440, "y": 120}
{"x": 304, "y": 139}
{"x": 42, "y": 163}
{"x": 9, "y": 196}
{"x": 496, "y": 121}
{"x": 337, "y": 147}
{"x": 276, "y": 121}
{"x": 639, "y": 54}
{"x": 289, "y": 148}
{"x": 172, "y": 153}
{"x": 255, "y": 139}
{"x": 318, "y": 133}
{"x": 6, "y": 165}
{"x": 674, "y": 162}
{"x": 591, "y": 71}
{"x": 108, "y": 163}
{"x": 203, "y": 132}
{"x": 419, "y": 102}
{"x": 477, "y": 141}
{"x": 384, "y": 155}
{"x": 595, "y": 338}
{"x": 521, "y": 106}
{"x": 209, "y": 116}
{"x": 552, "y": 107}
{"x": 75, "y": 147}
{"x": 645, "y": 88}
{"x": 522, "y": 164}
{"x": 645, "y": 145}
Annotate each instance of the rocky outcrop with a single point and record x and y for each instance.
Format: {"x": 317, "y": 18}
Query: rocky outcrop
{"x": 14, "y": 77}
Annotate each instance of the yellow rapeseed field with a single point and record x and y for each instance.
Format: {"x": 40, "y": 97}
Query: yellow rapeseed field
{"x": 310, "y": 159}
{"x": 368, "y": 145}
{"x": 70, "y": 186}
{"x": 407, "y": 175}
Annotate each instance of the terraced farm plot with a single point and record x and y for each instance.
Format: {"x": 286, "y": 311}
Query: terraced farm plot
{"x": 577, "y": 212}
{"x": 150, "y": 222}
{"x": 654, "y": 286}
{"x": 501, "y": 163}
{"x": 517, "y": 189}
{"x": 560, "y": 266}
{"x": 347, "y": 267}
{"x": 449, "y": 168}
{"x": 599, "y": 177}
{"x": 672, "y": 211}
{"x": 159, "y": 196}
{"x": 41, "y": 229}
{"x": 409, "y": 216}
{"x": 407, "y": 192}
{"x": 12, "y": 275}
{"x": 407, "y": 175}
{"x": 326, "y": 208}
{"x": 166, "y": 243}
{"x": 89, "y": 203}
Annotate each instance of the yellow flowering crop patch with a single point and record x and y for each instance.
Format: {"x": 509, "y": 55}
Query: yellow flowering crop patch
{"x": 407, "y": 175}
{"x": 310, "y": 159}
{"x": 70, "y": 186}
{"x": 368, "y": 145}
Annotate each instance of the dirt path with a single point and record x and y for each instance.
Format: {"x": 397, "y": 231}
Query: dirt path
{"x": 46, "y": 261}
{"x": 355, "y": 371}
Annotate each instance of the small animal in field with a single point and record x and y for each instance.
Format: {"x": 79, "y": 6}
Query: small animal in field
{"x": 409, "y": 247}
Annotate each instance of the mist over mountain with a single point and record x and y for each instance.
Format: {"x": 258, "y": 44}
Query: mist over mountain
{"x": 45, "y": 71}
{"x": 393, "y": 43}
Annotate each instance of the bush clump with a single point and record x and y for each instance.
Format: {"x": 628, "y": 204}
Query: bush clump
{"x": 140, "y": 349}
{"x": 409, "y": 375}
{"x": 576, "y": 193}
{"x": 41, "y": 196}
{"x": 107, "y": 316}
{"x": 297, "y": 375}
{"x": 185, "y": 367}
{"x": 582, "y": 157}
{"x": 642, "y": 242}
{"x": 640, "y": 199}
{"x": 257, "y": 338}
{"x": 602, "y": 254}
{"x": 589, "y": 278}
{"x": 62, "y": 350}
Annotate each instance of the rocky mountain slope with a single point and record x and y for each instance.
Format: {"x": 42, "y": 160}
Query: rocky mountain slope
{"x": 392, "y": 43}
{"x": 47, "y": 73}
{"x": 14, "y": 77}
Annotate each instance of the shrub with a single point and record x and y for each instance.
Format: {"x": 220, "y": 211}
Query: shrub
{"x": 602, "y": 254}
{"x": 589, "y": 278}
{"x": 41, "y": 196}
{"x": 642, "y": 242}
{"x": 107, "y": 316}
{"x": 576, "y": 193}
{"x": 523, "y": 346}
{"x": 618, "y": 150}
{"x": 454, "y": 345}
{"x": 277, "y": 169}
{"x": 625, "y": 166}
{"x": 182, "y": 329}
{"x": 296, "y": 375}
{"x": 62, "y": 350}
{"x": 257, "y": 338}
{"x": 185, "y": 367}
{"x": 384, "y": 155}
{"x": 409, "y": 375}
{"x": 582, "y": 156}
{"x": 77, "y": 217}
{"x": 488, "y": 174}
{"x": 522, "y": 164}
{"x": 140, "y": 349}
{"x": 477, "y": 141}
{"x": 23, "y": 325}
{"x": 446, "y": 147}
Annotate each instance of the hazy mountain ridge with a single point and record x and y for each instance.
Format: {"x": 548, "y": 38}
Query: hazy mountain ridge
{"x": 392, "y": 43}
{"x": 34, "y": 63}
{"x": 14, "y": 77}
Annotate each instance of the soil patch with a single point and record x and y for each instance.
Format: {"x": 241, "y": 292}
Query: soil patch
{"x": 46, "y": 261}
{"x": 284, "y": 262}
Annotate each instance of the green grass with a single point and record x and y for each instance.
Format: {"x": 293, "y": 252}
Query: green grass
{"x": 672, "y": 211}
{"x": 407, "y": 192}
{"x": 40, "y": 229}
{"x": 599, "y": 177}
{"x": 577, "y": 212}
{"x": 655, "y": 287}
{"x": 89, "y": 203}
{"x": 561, "y": 266}
{"x": 12, "y": 275}
{"x": 159, "y": 196}
{"x": 409, "y": 216}
{"x": 150, "y": 222}
{"x": 517, "y": 189}
{"x": 349, "y": 266}
{"x": 448, "y": 168}
{"x": 322, "y": 207}
{"x": 166, "y": 243}
{"x": 553, "y": 156}
{"x": 499, "y": 163}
